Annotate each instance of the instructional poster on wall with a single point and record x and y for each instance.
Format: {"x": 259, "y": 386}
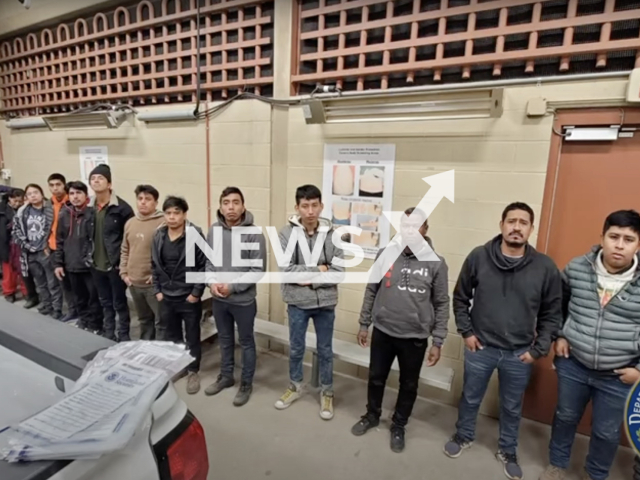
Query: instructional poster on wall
{"x": 357, "y": 188}
{"x": 90, "y": 158}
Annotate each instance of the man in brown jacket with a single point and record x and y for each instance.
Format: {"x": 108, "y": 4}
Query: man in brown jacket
{"x": 135, "y": 261}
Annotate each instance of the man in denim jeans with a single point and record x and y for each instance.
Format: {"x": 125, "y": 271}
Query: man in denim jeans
{"x": 310, "y": 300}
{"x": 597, "y": 356}
{"x": 516, "y": 293}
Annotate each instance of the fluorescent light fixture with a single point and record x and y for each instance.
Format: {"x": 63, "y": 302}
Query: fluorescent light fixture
{"x": 86, "y": 121}
{"x": 167, "y": 115}
{"x": 27, "y": 122}
{"x": 587, "y": 134}
{"x": 405, "y": 108}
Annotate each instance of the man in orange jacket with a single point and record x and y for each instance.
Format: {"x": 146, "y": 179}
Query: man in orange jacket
{"x": 58, "y": 188}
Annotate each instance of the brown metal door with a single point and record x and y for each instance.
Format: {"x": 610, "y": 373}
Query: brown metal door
{"x": 593, "y": 179}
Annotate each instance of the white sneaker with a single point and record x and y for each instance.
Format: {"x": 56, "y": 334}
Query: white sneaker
{"x": 292, "y": 394}
{"x": 326, "y": 407}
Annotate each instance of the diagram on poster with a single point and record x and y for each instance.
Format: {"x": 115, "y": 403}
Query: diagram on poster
{"x": 90, "y": 158}
{"x": 357, "y": 188}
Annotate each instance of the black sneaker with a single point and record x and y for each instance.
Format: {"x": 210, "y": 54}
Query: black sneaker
{"x": 454, "y": 447}
{"x": 30, "y": 303}
{"x": 397, "y": 438}
{"x": 512, "y": 469}
{"x": 45, "y": 311}
{"x": 69, "y": 317}
{"x": 366, "y": 423}
{"x": 10, "y": 298}
{"x": 57, "y": 315}
{"x": 221, "y": 384}
{"x": 243, "y": 395}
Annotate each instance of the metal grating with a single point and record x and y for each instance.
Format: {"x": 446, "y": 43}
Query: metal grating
{"x": 364, "y": 44}
{"x": 146, "y": 53}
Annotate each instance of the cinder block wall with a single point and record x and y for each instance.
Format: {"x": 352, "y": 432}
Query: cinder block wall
{"x": 496, "y": 162}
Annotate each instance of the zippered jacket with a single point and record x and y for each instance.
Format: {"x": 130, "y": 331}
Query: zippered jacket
{"x": 72, "y": 239}
{"x": 601, "y": 337}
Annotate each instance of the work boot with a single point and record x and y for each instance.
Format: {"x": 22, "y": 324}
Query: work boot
{"x": 243, "y": 395}
{"x": 512, "y": 469}
{"x": 30, "y": 303}
{"x": 221, "y": 383}
{"x": 553, "y": 473}
{"x": 292, "y": 394}
{"x": 586, "y": 476}
{"x": 366, "y": 423}
{"x": 193, "y": 383}
{"x": 454, "y": 447}
{"x": 397, "y": 438}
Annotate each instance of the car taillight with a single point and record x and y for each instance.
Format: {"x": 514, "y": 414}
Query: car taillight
{"x": 187, "y": 455}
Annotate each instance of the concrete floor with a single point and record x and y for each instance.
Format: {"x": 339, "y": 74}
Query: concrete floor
{"x": 257, "y": 441}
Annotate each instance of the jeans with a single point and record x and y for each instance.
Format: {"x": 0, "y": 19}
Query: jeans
{"x": 69, "y": 296}
{"x": 410, "y": 354}
{"x": 47, "y": 284}
{"x": 11, "y": 280}
{"x": 226, "y": 314}
{"x": 513, "y": 377}
{"x": 151, "y": 326}
{"x": 112, "y": 292}
{"x": 576, "y": 386}
{"x": 30, "y": 285}
{"x": 174, "y": 311}
{"x": 88, "y": 305}
{"x": 323, "y": 319}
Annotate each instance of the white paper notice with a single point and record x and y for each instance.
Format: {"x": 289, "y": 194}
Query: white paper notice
{"x": 357, "y": 188}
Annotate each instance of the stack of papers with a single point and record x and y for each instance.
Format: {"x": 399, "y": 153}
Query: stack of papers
{"x": 106, "y": 407}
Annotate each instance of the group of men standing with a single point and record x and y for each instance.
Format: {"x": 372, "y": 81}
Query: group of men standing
{"x": 511, "y": 305}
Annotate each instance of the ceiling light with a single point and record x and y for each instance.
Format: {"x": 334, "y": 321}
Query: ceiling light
{"x": 86, "y": 121}
{"x": 602, "y": 134}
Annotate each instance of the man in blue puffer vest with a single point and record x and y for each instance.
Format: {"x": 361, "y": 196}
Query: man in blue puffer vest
{"x": 597, "y": 351}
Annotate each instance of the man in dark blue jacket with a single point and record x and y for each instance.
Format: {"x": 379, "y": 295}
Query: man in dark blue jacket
{"x": 179, "y": 300}
{"x": 597, "y": 355}
{"x": 516, "y": 294}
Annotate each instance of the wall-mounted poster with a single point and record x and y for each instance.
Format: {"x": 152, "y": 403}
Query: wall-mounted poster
{"x": 357, "y": 188}
{"x": 90, "y": 158}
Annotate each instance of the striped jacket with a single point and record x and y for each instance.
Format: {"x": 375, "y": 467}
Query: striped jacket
{"x": 601, "y": 338}
{"x": 20, "y": 233}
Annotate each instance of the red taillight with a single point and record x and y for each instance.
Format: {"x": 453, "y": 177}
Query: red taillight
{"x": 187, "y": 456}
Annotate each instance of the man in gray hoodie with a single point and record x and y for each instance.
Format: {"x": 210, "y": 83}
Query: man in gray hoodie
{"x": 310, "y": 300}
{"x": 234, "y": 295}
{"x": 409, "y": 305}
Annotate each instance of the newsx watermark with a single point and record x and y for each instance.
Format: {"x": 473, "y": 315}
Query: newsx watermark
{"x": 305, "y": 271}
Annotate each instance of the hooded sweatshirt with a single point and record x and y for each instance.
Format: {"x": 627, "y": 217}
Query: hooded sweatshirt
{"x": 72, "y": 239}
{"x": 57, "y": 208}
{"x": 135, "y": 252}
{"x": 507, "y": 302}
{"x": 241, "y": 279}
{"x": 411, "y": 301}
{"x": 316, "y": 295}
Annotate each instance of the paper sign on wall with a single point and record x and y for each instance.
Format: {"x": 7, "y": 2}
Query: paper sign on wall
{"x": 90, "y": 158}
{"x": 357, "y": 188}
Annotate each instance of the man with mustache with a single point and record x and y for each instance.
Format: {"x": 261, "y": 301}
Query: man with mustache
{"x": 516, "y": 294}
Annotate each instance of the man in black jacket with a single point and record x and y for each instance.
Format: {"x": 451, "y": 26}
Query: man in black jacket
{"x": 11, "y": 276}
{"x": 106, "y": 230}
{"x": 179, "y": 300}
{"x": 516, "y": 293}
{"x": 69, "y": 257}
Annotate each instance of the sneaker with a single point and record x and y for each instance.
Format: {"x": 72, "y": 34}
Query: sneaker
{"x": 30, "y": 303}
{"x": 511, "y": 468}
{"x": 553, "y": 473}
{"x": 10, "y": 298}
{"x": 45, "y": 311}
{"x": 193, "y": 383}
{"x": 454, "y": 447}
{"x": 397, "y": 438}
{"x": 292, "y": 394}
{"x": 366, "y": 423}
{"x": 56, "y": 315}
{"x": 98, "y": 332}
{"x": 585, "y": 475}
{"x": 326, "y": 407}
{"x": 69, "y": 317}
{"x": 243, "y": 395}
{"x": 221, "y": 384}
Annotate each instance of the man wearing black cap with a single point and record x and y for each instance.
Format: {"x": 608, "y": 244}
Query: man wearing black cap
{"x": 106, "y": 230}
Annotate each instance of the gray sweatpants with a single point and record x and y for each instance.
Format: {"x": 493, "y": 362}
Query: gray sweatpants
{"x": 47, "y": 285}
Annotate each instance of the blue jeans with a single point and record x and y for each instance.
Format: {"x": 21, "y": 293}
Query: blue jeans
{"x": 513, "y": 377}
{"x": 323, "y": 319}
{"x": 576, "y": 386}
